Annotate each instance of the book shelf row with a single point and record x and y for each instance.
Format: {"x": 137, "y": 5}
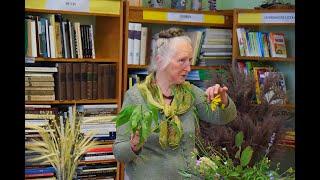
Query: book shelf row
{"x": 71, "y": 81}
{"x": 54, "y": 36}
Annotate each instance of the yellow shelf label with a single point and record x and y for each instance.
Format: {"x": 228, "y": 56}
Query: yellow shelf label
{"x": 154, "y": 15}
{"x": 257, "y": 18}
{"x": 91, "y": 6}
{"x": 35, "y": 4}
{"x": 105, "y": 6}
{"x": 183, "y": 17}
{"x": 215, "y": 19}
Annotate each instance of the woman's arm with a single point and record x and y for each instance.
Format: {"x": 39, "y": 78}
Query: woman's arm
{"x": 219, "y": 116}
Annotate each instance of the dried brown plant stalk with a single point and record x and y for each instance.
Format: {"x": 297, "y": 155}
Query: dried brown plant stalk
{"x": 257, "y": 122}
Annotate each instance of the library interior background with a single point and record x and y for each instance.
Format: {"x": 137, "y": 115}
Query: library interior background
{"x": 81, "y": 57}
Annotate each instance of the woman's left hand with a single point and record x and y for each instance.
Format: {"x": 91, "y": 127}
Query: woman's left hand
{"x": 213, "y": 91}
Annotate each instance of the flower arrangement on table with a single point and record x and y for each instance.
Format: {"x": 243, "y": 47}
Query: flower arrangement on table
{"x": 216, "y": 164}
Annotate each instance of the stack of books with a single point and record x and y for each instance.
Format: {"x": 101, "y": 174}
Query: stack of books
{"x": 39, "y": 83}
{"x": 216, "y": 48}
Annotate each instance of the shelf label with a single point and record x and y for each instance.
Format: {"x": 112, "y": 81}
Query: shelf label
{"x": 68, "y": 5}
{"x": 185, "y": 17}
{"x": 29, "y": 59}
{"x": 269, "y": 18}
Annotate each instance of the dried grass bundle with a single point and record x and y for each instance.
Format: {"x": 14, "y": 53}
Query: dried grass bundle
{"x": 61, "y": 147}
{"x": 257, "y": 122}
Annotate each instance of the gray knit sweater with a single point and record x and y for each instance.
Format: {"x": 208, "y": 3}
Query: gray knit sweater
{"x": 155, "y": 163}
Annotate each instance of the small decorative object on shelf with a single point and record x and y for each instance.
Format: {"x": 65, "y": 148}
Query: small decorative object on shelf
{"x": 196, "y": 5}
{"x": 275, "y": 4}
{"x": 178, "y": 4}
{"x": 212, "y": 5}
{"x": 156, "y": 3}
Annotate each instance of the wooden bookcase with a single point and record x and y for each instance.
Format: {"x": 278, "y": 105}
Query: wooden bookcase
{"x": 107, "y": 23}
{"x": 159, "y": 16}
{"x": 257, "y": 20}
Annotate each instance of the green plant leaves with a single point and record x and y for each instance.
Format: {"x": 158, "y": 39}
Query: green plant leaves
{"x": 246, "y": 156}
{"x": 124, "y": 115}
{"x": 140, "y": 119}
{"x": 239, "y": 139}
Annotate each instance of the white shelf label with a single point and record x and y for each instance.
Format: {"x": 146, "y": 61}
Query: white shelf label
{"x": 278, "y": 18}
{"x": 29, "y": 59}
{"x": 68, "y": 5}
{"x": 185, "y": 17}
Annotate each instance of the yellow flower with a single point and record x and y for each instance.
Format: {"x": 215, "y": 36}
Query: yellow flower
{"x": 216, "y": 101}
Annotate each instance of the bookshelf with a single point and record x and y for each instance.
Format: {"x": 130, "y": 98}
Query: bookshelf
{"x": 155, "y": 17}
{"x": 106, "y": 18}
{"x": 269, "y": 20}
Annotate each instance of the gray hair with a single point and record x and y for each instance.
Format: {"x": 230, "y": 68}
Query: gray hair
{"x": 165, "y": 47}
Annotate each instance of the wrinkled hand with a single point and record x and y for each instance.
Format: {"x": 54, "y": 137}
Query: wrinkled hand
{"x": 134, "y": 141}
{"x": 215, "y": 90}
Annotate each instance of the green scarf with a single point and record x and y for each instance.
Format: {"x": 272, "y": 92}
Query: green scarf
{"x": 171, "y": 130}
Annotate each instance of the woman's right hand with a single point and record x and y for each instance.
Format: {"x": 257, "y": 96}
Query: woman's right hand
{"x": 134, "y": 141}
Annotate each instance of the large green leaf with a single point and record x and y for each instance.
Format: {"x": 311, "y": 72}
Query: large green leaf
{"x": 124, "y": 115}
{"x": 246, "y": 156}
{"x": 239, "y": 139}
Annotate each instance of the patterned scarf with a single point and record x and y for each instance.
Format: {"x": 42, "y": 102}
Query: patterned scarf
{"x": 171, "y": 130}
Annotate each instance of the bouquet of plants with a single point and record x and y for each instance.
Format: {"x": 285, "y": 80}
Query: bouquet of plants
{"x": 217, "y": 164}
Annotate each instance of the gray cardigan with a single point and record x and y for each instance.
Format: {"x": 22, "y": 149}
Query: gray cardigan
{"x": 155, "y": 163}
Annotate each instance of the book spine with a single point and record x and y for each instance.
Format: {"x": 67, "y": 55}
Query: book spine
{"x": 143, "y": 45}
{"x": 92, "y": 42}
{"x": 89, "y": 80}
{"x": 69, "y": 83}
{"x": 83, "y": 72}
{"x": 76, "y": 80}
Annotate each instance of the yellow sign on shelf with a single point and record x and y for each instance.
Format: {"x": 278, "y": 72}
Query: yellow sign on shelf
{"x": 183, "y": 17}
{"x": 268, "y": 18}
{"x": 90, "y": 6}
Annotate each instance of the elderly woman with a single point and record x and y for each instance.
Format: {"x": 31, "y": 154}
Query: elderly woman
{"x": 167, "y": 152}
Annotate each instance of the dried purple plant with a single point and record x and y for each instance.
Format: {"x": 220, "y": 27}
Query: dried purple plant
{"x": 257, "y": 122}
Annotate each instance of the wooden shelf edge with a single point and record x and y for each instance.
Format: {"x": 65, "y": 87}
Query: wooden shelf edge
{"x": 216, "y": 12}
{"x": 192, "y": 67}
{"x": 131, "y": 66}
{"x": 96, "y": 162}
{"x": 29, "y": 10}
{"x": 239, "y": 10}
{"x": 75, "y": 60}
{"x": 98, "y": 101}
{"x": 249, "y": 58}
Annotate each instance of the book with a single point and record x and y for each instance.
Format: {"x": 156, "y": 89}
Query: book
{"x": 143, "y": 45}
{"x": 131, "y": 29}
{"x": 60, "y": 82}
{"x": 136, "y": 43}
{"x": 277, "y": 45}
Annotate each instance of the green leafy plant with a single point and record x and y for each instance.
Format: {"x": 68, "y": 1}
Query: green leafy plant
{"x": 61, "y": 147}
{"x": 219, "y": 165}
{"x": 138, "y": 118}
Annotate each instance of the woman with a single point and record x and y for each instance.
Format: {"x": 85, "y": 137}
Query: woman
{"x": 164, "y": 153}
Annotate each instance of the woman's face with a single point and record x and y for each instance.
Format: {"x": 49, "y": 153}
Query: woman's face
{"x": 179, "y": 66}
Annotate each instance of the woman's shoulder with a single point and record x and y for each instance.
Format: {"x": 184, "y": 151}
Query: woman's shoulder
{"x": 134, "y": 94}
